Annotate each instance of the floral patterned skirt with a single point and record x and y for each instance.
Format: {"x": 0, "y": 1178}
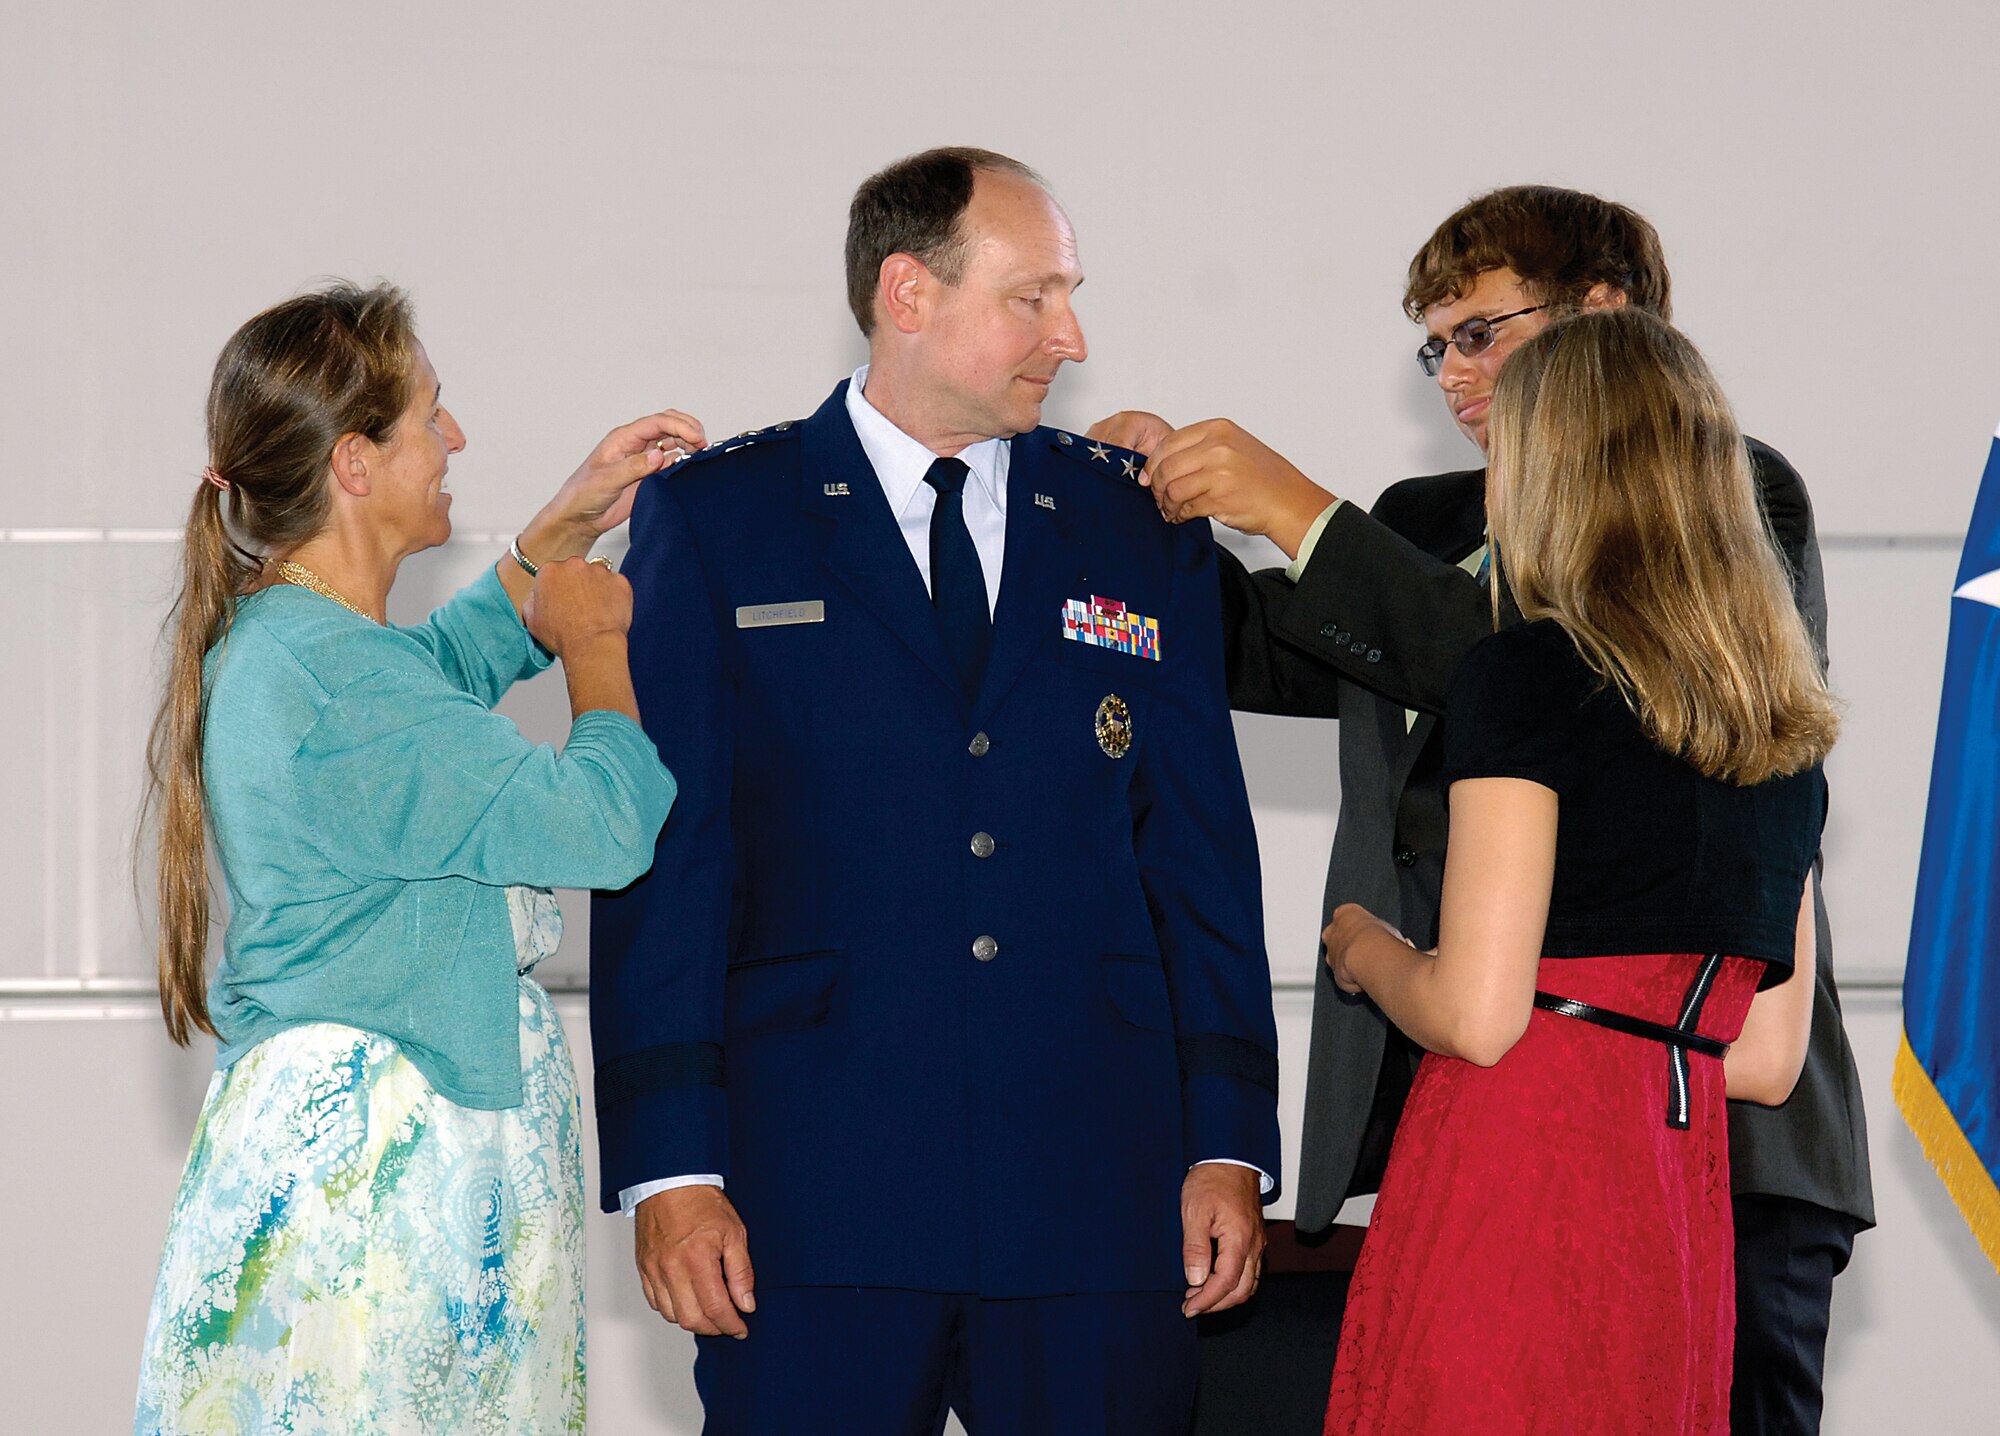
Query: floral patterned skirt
{"x": 351, "y": 1252}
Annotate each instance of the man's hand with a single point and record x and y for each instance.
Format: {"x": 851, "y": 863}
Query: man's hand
{"x": 1218, "y": 470}
{"x": 1132, "y": 429}
{"x": 694, "y": 1260}
{"x": 1222, "y": 1241}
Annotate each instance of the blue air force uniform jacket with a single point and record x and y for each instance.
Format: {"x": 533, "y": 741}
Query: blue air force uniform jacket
{"x": 950, "y": 992}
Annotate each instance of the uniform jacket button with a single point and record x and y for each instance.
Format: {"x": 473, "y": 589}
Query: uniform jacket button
{"x": 1407, "y": 857}
{"x": 982, "y": 845}
{"x": 979, "y": 745}
{"x": 985, "y": 948}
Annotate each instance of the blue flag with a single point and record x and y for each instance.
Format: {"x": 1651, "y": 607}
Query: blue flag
{"x": 1947, "y": 1079}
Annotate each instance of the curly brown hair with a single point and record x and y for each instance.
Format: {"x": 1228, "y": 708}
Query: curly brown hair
{"x": 1561, "y": 242}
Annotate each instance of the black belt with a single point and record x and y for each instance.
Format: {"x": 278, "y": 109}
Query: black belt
{"x": 1634, "y": 1026}
{"x": 1679, "y": 1039}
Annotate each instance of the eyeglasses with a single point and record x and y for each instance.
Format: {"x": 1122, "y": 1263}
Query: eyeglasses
{"x": 1472, "y": 338}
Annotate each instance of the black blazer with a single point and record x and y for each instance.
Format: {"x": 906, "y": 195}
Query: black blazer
{"x": 1378, "y": 624}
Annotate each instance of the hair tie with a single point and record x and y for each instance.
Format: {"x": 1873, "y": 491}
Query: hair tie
{"x": 209, "y": 475}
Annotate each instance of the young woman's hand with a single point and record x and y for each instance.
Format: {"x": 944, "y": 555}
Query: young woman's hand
{"x": 1351, "y": 924}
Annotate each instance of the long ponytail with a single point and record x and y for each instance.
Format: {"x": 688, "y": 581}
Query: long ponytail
{"x": 214, "y": 572}
{"x": 287, "y": 386}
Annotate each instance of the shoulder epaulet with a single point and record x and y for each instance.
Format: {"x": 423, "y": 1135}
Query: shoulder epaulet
{"x": 1107, "y": 460}
{"x": 783, "y": 429}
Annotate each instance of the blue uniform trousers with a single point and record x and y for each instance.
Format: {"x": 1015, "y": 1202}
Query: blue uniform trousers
{"x": 869, "y": 1361}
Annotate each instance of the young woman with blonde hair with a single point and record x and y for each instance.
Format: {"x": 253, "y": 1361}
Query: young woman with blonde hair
{"x": 380, "y": 1227}
{"x": 1627, "y": 927}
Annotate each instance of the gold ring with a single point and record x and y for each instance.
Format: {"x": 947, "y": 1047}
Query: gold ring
{"x": 605, "y": 562}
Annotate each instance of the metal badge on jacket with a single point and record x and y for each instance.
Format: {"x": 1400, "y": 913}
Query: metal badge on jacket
{"x": 1114, "y": 726}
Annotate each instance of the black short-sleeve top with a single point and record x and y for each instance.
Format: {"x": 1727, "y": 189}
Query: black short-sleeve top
{"x": 1651, "y": 856}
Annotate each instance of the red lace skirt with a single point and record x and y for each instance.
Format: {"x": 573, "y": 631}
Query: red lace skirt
{"x": 1547, "y": 1253}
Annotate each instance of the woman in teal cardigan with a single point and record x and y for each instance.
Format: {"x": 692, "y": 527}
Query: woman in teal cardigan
{"x": 380, "y": 1226}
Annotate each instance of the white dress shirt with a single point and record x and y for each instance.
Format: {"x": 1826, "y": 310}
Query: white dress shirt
{"x": 900, "y": 463}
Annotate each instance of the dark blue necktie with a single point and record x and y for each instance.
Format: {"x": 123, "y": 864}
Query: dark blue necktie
{"x": 958, "y": 584}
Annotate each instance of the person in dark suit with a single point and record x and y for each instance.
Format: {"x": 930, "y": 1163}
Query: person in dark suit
{"x": 1369, "y": 625}
{"x": 946, "y": 996}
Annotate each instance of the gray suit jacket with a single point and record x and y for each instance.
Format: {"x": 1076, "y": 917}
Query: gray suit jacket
{"x": 1378, "y": 624}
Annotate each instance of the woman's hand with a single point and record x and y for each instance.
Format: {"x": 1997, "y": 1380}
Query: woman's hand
{"x": 1351, "y": 924}
{"x": 575, "y": 602}
{"x": 598, "y": 496}
{"x": 581, "y": 611}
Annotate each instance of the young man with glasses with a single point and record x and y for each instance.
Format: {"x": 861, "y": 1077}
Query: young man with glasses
{"x": 1368, "y": 624}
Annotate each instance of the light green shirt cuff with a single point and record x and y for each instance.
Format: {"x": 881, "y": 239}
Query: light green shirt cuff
{"x": 1306, "y": 545}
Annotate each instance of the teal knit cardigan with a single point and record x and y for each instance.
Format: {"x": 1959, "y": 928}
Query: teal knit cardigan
{"x": 370, "y": 810}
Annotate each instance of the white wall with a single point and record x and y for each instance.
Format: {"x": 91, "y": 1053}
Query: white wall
{"x": 606, "y": 208}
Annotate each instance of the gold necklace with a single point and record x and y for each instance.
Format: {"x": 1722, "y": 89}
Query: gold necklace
{"x": 303, "y": 577}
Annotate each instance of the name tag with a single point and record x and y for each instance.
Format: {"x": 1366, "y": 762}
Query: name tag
{"x": 777, "y": 615}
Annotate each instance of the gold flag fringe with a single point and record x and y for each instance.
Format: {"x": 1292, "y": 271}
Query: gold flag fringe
{"x": 1965, "y": 1175}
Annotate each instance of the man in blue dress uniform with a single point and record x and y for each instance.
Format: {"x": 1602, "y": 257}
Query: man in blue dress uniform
{"x": 935, "y": 1055}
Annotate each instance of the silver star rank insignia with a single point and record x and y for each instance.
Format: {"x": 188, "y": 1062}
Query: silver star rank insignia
{"x": 1131, "y": 469}
{"x": 1100, "y": 453}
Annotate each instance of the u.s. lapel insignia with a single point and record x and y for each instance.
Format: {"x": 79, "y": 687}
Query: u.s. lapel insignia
{"x": 1044, "y": 501}
{"x": 1114, "y": 726}
{"x": 834, "y": 491}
